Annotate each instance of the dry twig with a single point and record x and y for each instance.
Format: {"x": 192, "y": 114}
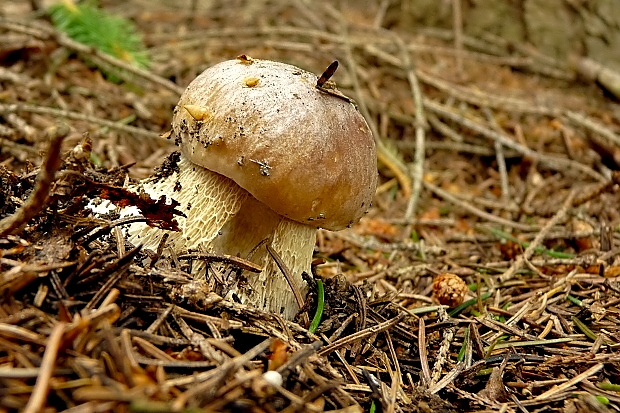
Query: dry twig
{"x": 36, "y": 202}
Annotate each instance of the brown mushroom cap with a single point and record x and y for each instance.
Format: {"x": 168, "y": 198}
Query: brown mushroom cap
{"x": 306, "y": 154}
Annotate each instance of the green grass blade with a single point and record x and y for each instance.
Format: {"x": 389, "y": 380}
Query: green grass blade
{"x": 320, "y": 291}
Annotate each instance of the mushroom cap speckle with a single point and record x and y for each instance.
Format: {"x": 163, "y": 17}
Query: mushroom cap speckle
{"x": 307, "y": 154}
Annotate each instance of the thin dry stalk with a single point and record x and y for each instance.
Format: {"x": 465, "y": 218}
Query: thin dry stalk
{"x": 529, "y": 251}
{"x": 36, "y": 202}
{"x": 426, "y": 371}
{"x": 41, "y": 388}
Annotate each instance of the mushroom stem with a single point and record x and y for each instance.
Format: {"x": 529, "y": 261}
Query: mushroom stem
{"x": 294, "y": 242}
{"x": 270, "y": 290}
{"x": 223, "y": 218}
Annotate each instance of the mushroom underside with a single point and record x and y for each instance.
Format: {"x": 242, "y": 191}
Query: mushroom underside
{"x": 223, "y": 218}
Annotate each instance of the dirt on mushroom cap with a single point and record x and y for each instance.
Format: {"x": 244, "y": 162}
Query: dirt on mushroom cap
{"x": 308, "y": 155}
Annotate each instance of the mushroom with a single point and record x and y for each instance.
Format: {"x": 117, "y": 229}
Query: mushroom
{"x": 265, "y": 154}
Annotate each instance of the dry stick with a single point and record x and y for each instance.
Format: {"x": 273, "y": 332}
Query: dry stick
{"x": 448, "y": 378}
{"x": 114, "y": 272}
{"x": 295, "y": 401}
{"x": 45, "y": 178}
{"x": 20, "y": 151}
{"x": 450, "y": 113}
{"x": 503, "y": 172}
{"x": 129, "y": 359}
{"x": 110, "y": 298}
{"x": 491, "y": 204}
{"x": 20, "y": 333}
{"x": 151, "y": 350}
{"x": 204, "y": 318}
{"x": 501, "y": 159}
{"x": 609, "y": 254}
{"x": 484, "y": 99}
{"x": 578, "y": 378}
{"x": 22, "y": 127}
{"x": 199, "y": 341}
{"x": 420, "y": 128}
{"x": 41, "y": 387}
{"x": 310, "y": 14}
{"x": 457, "y": 26}
{"x": 556, "y": 234}
{"x": 67, "y": 42}
{"x": 120, "y": 241}
{"x": 467, "y": 343}
{"x": 390, "y": 397}
{"x": 344, "y": 362}
{"x": 378, "y": 20}
{"x": 472, "y": 209}
{"x": 594, "y": 190}
{"x": 252, "y": 36}
{"x": 554, "y": 162}
{"x": 221, "y": 370}
{"x": 581, "y": 120}
{"x": 536, "y": 61}
{"x": 502, "y": 328}
{"x": 18, "y": 78}
{"x": 528, "y": 50}
{"x": 299, "y": 357}
{"x": 396, "y": 387}
{"x": 426, "y": 371}
{"x": 231, "y": 260}
{"x": 214, "y": 375}
{"x": 595, "y": 72}
{"x": 447, "y": 131}
{"x": 466, "y": 94}
{"x": 29, "y": 372}
{"x": 289, "y": 279}
{"x": 46, "y": 33}
{"x": 43, "y": 110}
{"x": 361, "y": 334}
{"x": 488, "y": 100}
{"x": 383, "y": 154}
{"x": 511, "y": 61}
{"x": 204, "y": 38}
{"x": 160, "y": 319}
{"x": 529, "y": 251}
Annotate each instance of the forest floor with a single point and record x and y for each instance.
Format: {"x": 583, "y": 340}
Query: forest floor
{"x": 497, "y": 165}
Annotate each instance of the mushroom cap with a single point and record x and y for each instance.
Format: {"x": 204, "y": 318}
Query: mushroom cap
{"x": 305, "y": 153}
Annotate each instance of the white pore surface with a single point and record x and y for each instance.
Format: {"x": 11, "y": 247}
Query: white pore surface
{"x": 208, "y": 199}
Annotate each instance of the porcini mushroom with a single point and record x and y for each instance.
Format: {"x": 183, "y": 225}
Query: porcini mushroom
{"x": 265, "y": 154}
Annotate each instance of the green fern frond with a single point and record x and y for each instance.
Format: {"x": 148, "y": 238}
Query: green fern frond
{"x": 92, "y": 26}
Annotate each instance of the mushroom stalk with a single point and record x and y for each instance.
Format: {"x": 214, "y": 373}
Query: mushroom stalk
{"x": 270, "y": 290}
{"x": 225, "y": 219}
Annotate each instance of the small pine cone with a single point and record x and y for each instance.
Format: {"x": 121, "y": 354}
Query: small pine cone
{"x": 449, "y": 289}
